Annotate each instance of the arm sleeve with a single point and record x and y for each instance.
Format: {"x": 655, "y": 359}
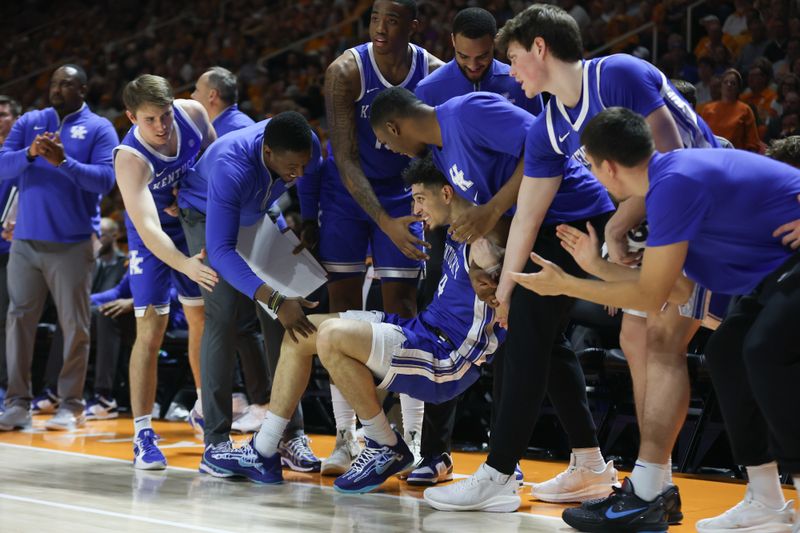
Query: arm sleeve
{"x": 541, "y": 161}
{"x": 675, "y": 209}
{"x": 308, "y": 187}
{"x": 122, "y": 290}
{"x": 495, "y": 123}
{"x": 627, "y": 81}
{"x": 222, "y": 227}
{"x": 97, "y": 176}
{"x": 13, "y": 160}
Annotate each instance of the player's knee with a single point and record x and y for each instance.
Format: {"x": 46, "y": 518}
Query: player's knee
{"x": 329, "y": 338}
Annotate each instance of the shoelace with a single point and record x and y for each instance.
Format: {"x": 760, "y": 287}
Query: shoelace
{"x": 566, "y": 472}
{"x": 298, "y": 446}
{"x": 249, "y": 455}
{"x": 364, "y": 458}
{"x": 148, "y": 442}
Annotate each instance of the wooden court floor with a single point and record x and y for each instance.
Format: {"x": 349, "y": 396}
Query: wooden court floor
{"x": 83, "y": 482}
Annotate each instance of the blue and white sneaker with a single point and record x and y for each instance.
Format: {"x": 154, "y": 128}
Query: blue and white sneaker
{"x": 46, "y": 403}
{"x": 196, "y": 422}
{"x": 432, "y": 470}
{"x": 374, "y": 465}
{"x": 297, "y": 455}
{"x": 100, "y": 408}
{"x": 221, "y": 459}
{"x": 256, "y": 467}
{"x": 146, "y": 455}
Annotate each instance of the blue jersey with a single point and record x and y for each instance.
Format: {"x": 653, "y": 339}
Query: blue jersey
{"x": 60, "y": 204}
{"x": 166, "y": 172}
{"x": 457, "y": 311}
{"x": 726, "y": 204}
{"x": 617, "y": 80}
{"x": 449, "y": 81}
{"x": 233, "y": 187}
{"x": 377, "y": 161}
{"x": 483, "y": 139}
{"x": 231, "y": 119}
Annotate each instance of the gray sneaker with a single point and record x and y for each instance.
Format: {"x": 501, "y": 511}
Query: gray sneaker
{"x": 65, "y": 420}
{"x": 15, "y": 417}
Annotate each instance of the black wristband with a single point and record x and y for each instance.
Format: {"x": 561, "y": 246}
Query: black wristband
{"x": 28, "y": 156}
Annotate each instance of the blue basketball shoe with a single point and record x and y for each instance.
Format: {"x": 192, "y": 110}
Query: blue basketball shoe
{"x": 375, "y": 464}
{"x": 146, "y": 455}
{"x": 623, "y": 510}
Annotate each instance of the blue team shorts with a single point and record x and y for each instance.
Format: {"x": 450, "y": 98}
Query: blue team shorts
{"x": 347, "y": 233}
{"x": 408, "y": 357}
{"x": 151, "y": 278}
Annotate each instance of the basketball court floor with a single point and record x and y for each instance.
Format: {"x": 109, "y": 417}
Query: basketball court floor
{"x": 83, "y": 481}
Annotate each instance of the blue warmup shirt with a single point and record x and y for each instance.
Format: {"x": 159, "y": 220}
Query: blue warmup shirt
{"x": 234, "y": 188}
{"x": 449, "y": 81}
{"x": 483, "y": 140}
{"x": 166, "y": 172}
{"x": 57, "y": 204}
{"x": 726, "y": 204}
{"x": 618, "y": 80}
{"x": 231, "y": 120}
{"x": 377, "y": 161}
{"x": 5, "y": 193}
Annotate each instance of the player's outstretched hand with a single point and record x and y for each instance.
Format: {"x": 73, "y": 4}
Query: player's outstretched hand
{"x": 790, "y": 232}
{"x": 473, "y": 224}
{"x": 197, "y": 271}
{"x": 549, "y": 281}
{"x": 407, "y": 242}
{"x": 484, "y": 285}
{"x": 309, "y": 236}
{"x": 294, "y": 320}
{"x": 583, "y": 247}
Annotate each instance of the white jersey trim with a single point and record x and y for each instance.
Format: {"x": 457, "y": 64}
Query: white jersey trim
{"x": 188, "y": 119}
{"x": 137, "y": 153}
{"x": 152, "y": 151}
{"x": 551, "y": 131}
{"x": 585, "y": 99}
{"x": 383, "y": 80}
{"x": 360, "y": 66}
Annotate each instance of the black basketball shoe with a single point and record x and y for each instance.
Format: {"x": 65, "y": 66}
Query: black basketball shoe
{"x": 621, "y": 511}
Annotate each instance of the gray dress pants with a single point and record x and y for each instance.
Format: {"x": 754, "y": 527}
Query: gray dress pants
{"x": 65, "y": 270}
{"x": 217, "y": 351}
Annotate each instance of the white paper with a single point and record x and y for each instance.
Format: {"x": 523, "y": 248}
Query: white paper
{"x": 9, "y": 215}
{"x": 268, "y": 252}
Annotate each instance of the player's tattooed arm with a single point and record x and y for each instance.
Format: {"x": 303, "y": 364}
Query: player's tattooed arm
{"x": 342, "y": 87}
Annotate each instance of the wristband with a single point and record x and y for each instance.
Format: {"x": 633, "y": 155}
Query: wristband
{"x": 275, "y": 301}
{"x": 28, "y": 156}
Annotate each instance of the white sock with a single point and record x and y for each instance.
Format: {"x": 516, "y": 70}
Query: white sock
{"x": 590, "y": 458}
{"x": 648, "y": 479}
{"x": 142, "y": 422}
{"x": 378, "y": 429}
{"x": 198, "y": 404}
{"x": 765, "y": 484}
{"x": 270, "y": 434}
{"x": 344, "y": 415}
{"x": 413, "y": 413}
